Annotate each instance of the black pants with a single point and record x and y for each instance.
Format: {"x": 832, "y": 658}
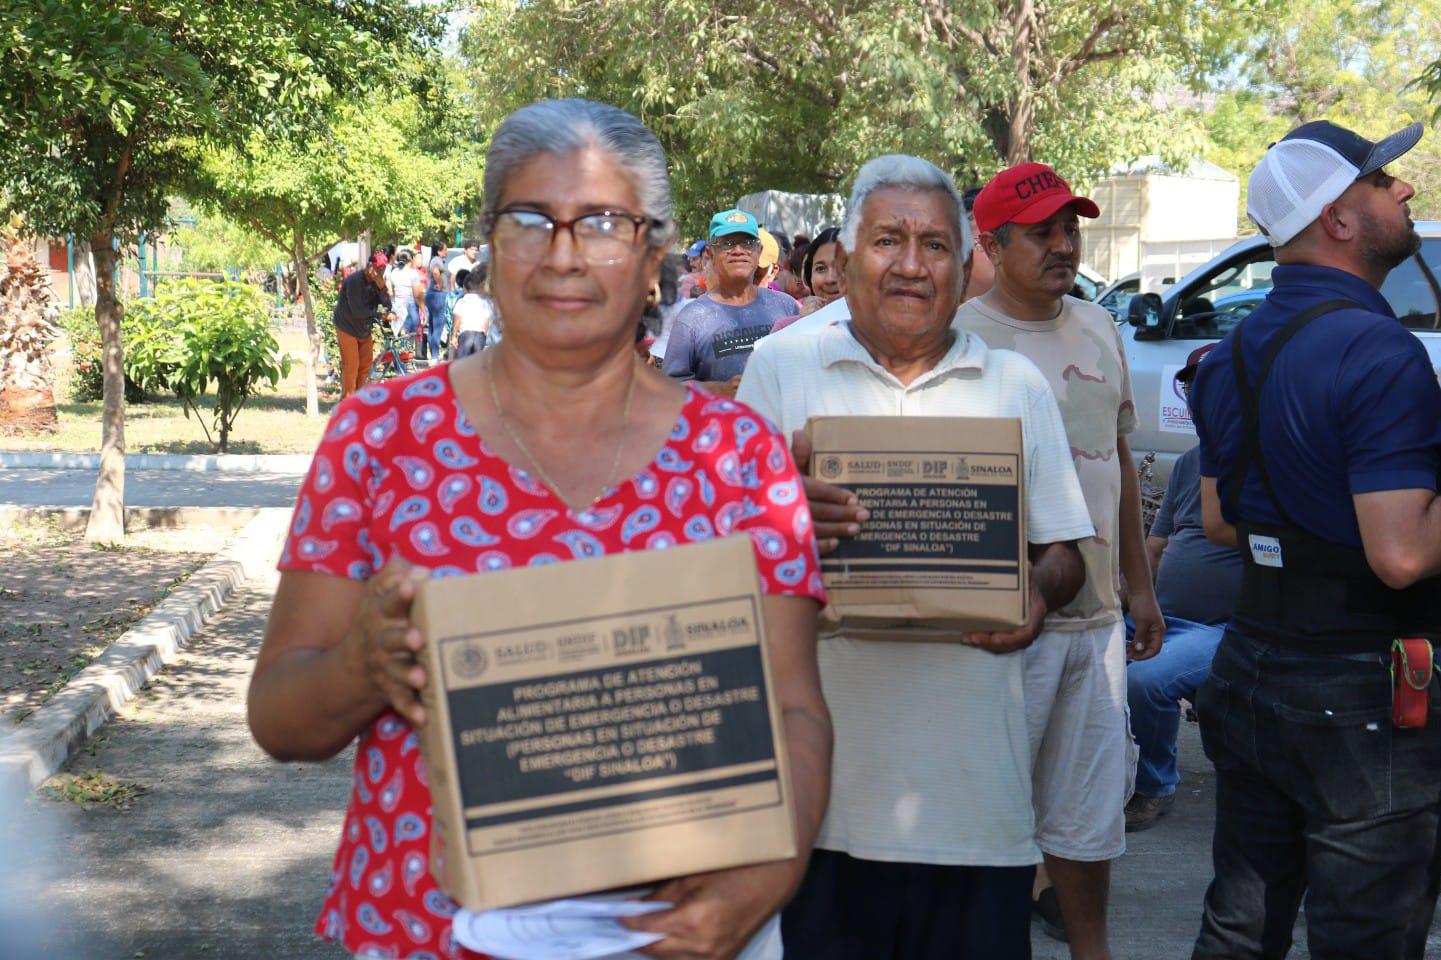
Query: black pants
{"x": 849, "y": 909}
{"x": 1317, "y": 794}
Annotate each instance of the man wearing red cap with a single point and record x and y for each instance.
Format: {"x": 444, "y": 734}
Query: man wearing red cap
{"x": 1075, "y": 673}
{"x": 361, "y": 297}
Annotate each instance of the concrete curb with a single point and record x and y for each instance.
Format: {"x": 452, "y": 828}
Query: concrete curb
{"x": 217, "y": 463}
{"x": 40, "y": 746}
{"x": 136, "y": 518}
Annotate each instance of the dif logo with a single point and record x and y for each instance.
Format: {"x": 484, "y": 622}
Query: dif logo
{"x": 935, "y": 469}
{"x": 628, "y": 641}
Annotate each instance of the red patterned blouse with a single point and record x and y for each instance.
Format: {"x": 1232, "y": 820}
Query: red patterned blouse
{"x": 402, "y": 471}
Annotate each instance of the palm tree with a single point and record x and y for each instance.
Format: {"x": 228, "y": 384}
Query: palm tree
{"x": 27, "y": 331}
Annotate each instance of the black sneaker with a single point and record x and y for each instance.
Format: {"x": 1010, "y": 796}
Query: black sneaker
{"x": 1047, "y": 909}
{"x": 1143, "y": 812}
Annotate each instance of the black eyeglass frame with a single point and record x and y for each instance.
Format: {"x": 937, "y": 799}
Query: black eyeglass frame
{"x": 638, "y": 222}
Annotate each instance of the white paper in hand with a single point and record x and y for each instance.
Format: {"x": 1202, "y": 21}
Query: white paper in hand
{"x": 556, "y": 930}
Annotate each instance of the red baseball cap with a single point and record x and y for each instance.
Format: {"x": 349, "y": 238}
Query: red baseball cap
{"x": 1187, "y": 373}
{"x": 1026, "y": 193}
{"x": 379, "y": 260}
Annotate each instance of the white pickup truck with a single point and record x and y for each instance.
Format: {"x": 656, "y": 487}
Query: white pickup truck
{"x": 1160, "y": 331}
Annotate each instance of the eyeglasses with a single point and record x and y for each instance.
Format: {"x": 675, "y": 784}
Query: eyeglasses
{"x": 602, "y": 238}
{"x": 732, "y": 240}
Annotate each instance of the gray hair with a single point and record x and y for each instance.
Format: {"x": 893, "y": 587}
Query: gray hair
{"x": 900, "y": 170}
{"x": 558, "y": 127}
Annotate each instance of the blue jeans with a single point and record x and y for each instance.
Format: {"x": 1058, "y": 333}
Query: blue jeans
{"x": 437, "y": 309}
{"x": 1153, "y": 689}
{"x": 1317, "y": 795}
{"x": 411, "y": 320}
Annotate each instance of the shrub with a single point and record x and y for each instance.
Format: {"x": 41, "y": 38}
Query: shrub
{"x": 195, "y": 336}
{"x": 323, "y": 297}
{"x": 87, "y": 367}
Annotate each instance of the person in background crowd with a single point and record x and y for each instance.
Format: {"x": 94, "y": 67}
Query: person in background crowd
{"x": 362, "y": 295}
{"x": 693, "y": 282}
{"x": 1319, "y": 417}
{"x": 474, "y": 323}
{"x": 437, "y": 302}
{"x": 768, "y": 266}
{"x": 797, "y": 268}
{"x": 389, "y": 251}
{"x": 713, "y": 336}
{"x": 1197, "y": 583}
{"x": 1076, "y": 671}
{"x": 560, "y": 423}
{"x": 820, "y": 273}
{"x": 666, "y": 308}
{"x": 406, "y": 294}
{"x": 982, "y": 273}
{"x": 788, "y": 280}
{"x": 468, "y": 259}
{"x": 927, "y": 849}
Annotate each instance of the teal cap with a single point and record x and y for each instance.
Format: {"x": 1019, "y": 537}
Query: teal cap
{"x": 733, "y": 221}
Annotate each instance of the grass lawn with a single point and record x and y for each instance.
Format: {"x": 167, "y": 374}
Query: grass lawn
{"x": 272, "y": 422}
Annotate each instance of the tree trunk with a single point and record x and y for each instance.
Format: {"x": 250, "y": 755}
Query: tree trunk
{"x": 312, "y": 335}
{"x": 1018, "y": 146}
{"x": 84, "y": 278}
{"x": 27, "y": 335}
{"x": 107, "y": 510}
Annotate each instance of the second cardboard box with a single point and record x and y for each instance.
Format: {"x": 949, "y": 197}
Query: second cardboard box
{"x": 944, "y": 551}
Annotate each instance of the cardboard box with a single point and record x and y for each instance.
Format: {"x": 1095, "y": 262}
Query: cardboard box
{"x": 601, "y": 723}
{"x": 944, "y": 551}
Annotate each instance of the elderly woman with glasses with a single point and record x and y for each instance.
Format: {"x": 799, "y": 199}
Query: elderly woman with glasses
{"x": 557, "y": 444}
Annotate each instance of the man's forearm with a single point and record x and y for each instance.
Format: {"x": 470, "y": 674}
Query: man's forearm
{"x": 1135, "y": 565}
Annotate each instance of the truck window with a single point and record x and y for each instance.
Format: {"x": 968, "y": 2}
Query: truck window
{"x": 1409, "y": 289}
{"x": 1223, "y": 298}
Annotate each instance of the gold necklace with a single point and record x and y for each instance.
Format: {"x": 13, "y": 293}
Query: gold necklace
{"x": 520, "y": 444}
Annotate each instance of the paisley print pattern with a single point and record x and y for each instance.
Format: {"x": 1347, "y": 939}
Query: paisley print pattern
{"x": 401, "y": 471}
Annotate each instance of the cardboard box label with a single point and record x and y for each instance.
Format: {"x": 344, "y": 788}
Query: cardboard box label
{"x": 944, "y": 548}
{"x": 935, "y": 522}
{"x": 531, "y": 743}
{"x": 585, "y": 737}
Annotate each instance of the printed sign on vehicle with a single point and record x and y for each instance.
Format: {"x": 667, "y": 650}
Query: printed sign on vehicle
{"x": 1174, "y": 417}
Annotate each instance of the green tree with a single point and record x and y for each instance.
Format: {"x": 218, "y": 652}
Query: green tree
{"x": 107, "y": 105}
{"x": 368, "y": 169}
{"x": 216, "y": 243}
{"x": 796, "y": 94}
{"x": 1353, "y": 62}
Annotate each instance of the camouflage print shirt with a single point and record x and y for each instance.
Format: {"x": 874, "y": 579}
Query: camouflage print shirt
{"x": 1082, "y": 357}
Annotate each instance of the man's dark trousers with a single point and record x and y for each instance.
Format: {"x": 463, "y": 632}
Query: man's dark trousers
{"x": 1317, "y": 794}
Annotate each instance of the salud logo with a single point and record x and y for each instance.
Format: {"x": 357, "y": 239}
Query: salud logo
{"x": 469, "y": 661}
{"x": 831, "y": 467}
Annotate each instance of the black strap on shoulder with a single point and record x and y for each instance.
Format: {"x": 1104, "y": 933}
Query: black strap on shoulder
{"x": 1250, "y": 398}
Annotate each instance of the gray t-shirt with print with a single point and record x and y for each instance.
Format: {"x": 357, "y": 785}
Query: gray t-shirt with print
{"x": 712, "y": 341}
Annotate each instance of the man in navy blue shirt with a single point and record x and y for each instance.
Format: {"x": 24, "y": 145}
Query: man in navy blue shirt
{"x": 1320, "y": 427}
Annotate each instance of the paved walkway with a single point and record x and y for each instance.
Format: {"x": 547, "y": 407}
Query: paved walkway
{"x": 35, "y": 487}
{"x": 227, "y": 854}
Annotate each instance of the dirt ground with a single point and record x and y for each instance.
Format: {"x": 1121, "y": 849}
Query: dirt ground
{"x": 62, "y": 601}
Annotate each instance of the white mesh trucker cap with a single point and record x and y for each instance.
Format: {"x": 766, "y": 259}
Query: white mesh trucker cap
{"x": 1309, "y": 168}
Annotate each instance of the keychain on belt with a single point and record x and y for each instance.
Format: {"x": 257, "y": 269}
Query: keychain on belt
{"x": 1412, "y": 661}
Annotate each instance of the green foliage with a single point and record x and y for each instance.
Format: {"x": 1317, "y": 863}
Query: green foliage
{"x": 217, "y": 243}
{"x": 86, "y": 371}
{"x": 796, "y": 94}
{"x": 108, "y": 103}
{"x": 365, "y": 170}
{"x": 324, "y": 297}
{"x": 1354, "y": 62}
{"x": 198, "y": 338}
{"x": 86, "y": 375}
